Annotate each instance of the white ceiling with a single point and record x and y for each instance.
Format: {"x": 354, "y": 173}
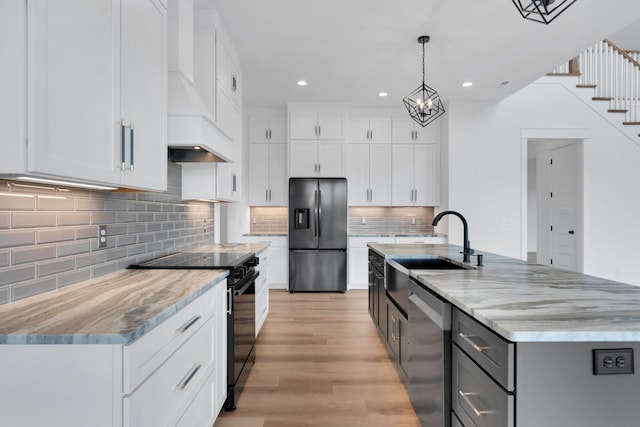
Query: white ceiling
{"x": 349, "y": 50}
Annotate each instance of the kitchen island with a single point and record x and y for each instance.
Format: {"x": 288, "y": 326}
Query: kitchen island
{"x": 529, "y": 339}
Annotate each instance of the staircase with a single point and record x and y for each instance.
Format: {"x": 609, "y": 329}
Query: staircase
{"x": 610, "y": 77}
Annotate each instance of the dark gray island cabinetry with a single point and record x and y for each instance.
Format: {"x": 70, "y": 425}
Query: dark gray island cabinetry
{"x": 531, "y": 345}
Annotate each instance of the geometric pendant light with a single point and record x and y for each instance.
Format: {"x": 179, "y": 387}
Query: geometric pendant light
{"x": 424, "y": 103}
{"x": 543, "y": 11}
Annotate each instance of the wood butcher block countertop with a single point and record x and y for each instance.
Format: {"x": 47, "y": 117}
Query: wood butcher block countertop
{"x": 113, "y": 309}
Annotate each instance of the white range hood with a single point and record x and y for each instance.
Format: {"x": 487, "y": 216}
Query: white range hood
{"x": 193, "y": 134}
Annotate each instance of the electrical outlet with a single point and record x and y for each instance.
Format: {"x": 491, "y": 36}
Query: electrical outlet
{"x": 364, "y": 221}
{"x": 613, "y": 361}
{"x": 204, "y": 226}
{"x": 255, "y": 220}
{"x": 413, "y": 220}
{"x": 102, "y": 236}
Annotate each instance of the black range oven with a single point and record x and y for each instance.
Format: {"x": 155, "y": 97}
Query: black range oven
{"x": 241, "y": 321}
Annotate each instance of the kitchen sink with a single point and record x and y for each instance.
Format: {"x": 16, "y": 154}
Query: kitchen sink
{"x": 428, "y": 264}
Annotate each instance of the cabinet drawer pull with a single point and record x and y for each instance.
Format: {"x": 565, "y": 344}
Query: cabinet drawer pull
{"x": 465, "y": 396}
{"x": 229, "y": 301}
{"x": 187, "y": 378}
{"x": 189, "y": 324}
{"x": 467, "y": 337}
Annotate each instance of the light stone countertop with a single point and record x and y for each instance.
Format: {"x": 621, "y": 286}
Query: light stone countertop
{"x": 113, "y": 309}
{"x": 528, "y": 302}
{"x": 233, "y": 247}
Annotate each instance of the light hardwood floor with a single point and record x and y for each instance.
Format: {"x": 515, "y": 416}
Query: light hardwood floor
{"x": 320, "y": 362}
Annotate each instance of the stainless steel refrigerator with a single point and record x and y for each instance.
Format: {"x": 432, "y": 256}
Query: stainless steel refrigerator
{"x": 317, "y": 234}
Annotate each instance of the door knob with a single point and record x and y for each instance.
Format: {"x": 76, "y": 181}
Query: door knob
{"x": 571, "y": 232}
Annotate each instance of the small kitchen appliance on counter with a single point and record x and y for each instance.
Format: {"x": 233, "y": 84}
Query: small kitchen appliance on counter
{"x": 240, "y": 308}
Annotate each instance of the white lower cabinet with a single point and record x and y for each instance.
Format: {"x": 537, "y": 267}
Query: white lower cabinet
{"x": 278, "y": 269}
{"x": 174, "y": 375}
{"x": 262, "y": 290}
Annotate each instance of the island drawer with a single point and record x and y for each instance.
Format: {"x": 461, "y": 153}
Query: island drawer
{"x": 494, "y": 354}
{"x": 476, "y": 399}
{"x": 146, "y": 354}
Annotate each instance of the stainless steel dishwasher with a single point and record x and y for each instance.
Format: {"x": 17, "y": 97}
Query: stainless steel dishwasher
{"x": 429, "y": 356}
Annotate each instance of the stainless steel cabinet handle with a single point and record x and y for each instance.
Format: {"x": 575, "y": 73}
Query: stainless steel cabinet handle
{"x": 477, "y": 346}
{"x": 229, "y": 301}
{"x": 182, "y": 329}
{"x": 266, "y": 195}
{"x": 393, "y": 328}
{"x": 187, "y": 378}
{"x": 465, "y": 396}
{"x": 319, "y": 130}
{"x": 266, "y": 134}
{"x": 319, "y": 167}
{"x": 234, "y": 83}
{"x": 371, "y": 134}
{"x": 269, "y": 194}
{"x": 131, "y": 146}
{"x": 123, "y": 125}
{"x": 269, "y": 134}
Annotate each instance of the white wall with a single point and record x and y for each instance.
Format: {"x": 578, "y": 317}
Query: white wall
{"x": 486, "y": 170}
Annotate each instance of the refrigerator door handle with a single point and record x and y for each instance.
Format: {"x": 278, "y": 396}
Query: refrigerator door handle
{"x": 315, "y": 215}
{"x": 319, "y": 213}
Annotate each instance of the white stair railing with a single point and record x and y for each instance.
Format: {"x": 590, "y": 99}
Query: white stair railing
{"x": 615, "y": 75}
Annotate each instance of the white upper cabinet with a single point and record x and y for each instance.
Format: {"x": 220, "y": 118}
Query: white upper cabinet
{"x": 415, "y": 175}
{"x": 264, "y": 129}
{"x": 376, "y": 130}
{"x": 406, "y": 131}
{"x": 369, "y": 174}
{"x": 267, "y": 135}
{"x": 95, "y": 90}
{"x": 268, "y": 174}
{"x": 317, "y": 125}
{"x": 317, "y": 140}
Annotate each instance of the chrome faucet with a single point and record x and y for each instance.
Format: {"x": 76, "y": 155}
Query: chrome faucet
{"x": 467, "y": 251}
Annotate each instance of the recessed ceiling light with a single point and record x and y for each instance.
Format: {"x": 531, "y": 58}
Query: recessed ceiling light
{"x": 302, "y": 83}
{"x": 467, "y": 84}
{"x": 382, "y": 94}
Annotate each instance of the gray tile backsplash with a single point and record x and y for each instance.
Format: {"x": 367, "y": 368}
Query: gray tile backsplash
{"x": 48, "y": 235}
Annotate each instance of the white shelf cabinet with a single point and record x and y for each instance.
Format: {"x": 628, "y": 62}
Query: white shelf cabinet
{"x": 278, "y": 269}
{"x": 317, "y": 140}
{"x": 102, "y": 385}
{"x": 268, "y": 174}
{"x": 415, "y": 175}
{"x": 405, "y": 130}
{"x": 92, "y": 67}
{"x": 374, "y": 130}
{"x": 267, "y": 135}
{"x": 369, "y": 174}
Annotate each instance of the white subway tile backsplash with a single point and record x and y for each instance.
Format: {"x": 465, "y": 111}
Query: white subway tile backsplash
{"x": 75, "y": 276}
{"x": 5, "y": 295}
{"x": 73, "y": 248}
{"x": 5, "y": 258}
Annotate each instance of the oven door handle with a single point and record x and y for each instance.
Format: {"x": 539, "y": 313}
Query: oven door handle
{"x": 245, "y": 285}
{"x": 229, "y": 301}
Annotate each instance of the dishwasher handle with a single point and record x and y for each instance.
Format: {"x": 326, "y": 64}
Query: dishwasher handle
{"x": 434, "y": 308}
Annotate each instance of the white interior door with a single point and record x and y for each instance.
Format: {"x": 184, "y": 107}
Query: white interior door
{"x": 564, "y": 207}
